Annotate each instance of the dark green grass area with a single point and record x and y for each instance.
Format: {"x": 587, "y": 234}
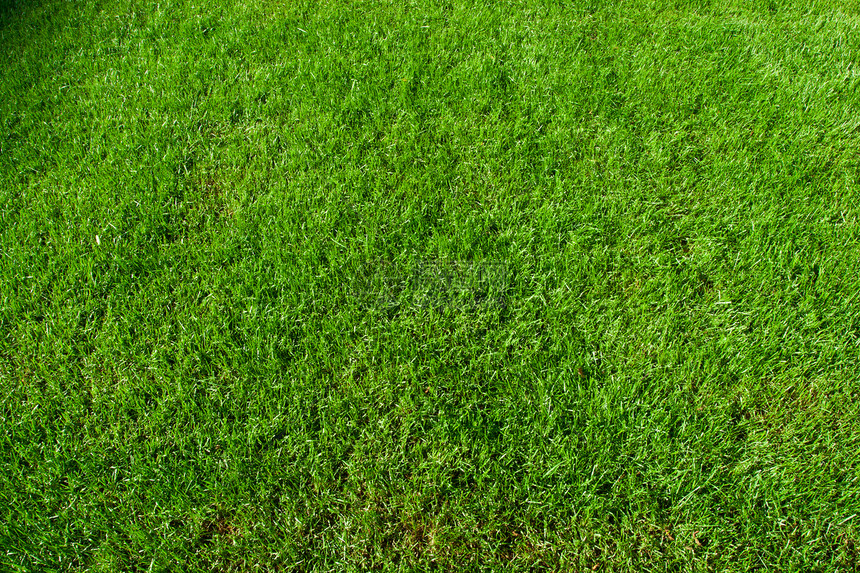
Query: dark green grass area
{"x": 524, "y": 285}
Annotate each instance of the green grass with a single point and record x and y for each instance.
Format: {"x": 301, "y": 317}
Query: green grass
{"x": 524, "y": 285}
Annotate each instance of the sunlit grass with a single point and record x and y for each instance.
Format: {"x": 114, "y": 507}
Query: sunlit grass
{"x": 512, "y": 286}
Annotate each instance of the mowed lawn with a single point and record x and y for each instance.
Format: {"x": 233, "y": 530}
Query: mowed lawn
{"x": 429, "y": 285}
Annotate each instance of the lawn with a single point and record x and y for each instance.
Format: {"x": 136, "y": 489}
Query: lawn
{"x": 404, "y": 286}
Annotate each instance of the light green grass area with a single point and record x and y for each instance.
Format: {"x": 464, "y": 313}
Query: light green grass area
{"x": 408, "y": 286}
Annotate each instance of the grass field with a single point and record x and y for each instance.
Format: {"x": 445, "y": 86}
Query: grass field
{"x": 438, "y": 285}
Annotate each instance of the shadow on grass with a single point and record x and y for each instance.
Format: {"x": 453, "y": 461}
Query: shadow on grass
{"x": 11, "y": 10}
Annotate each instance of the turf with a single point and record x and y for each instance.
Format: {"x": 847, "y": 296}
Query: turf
{"x": 438, "y": 285}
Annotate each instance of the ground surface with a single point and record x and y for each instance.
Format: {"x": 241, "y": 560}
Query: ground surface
{"x": 412, "y": 285}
